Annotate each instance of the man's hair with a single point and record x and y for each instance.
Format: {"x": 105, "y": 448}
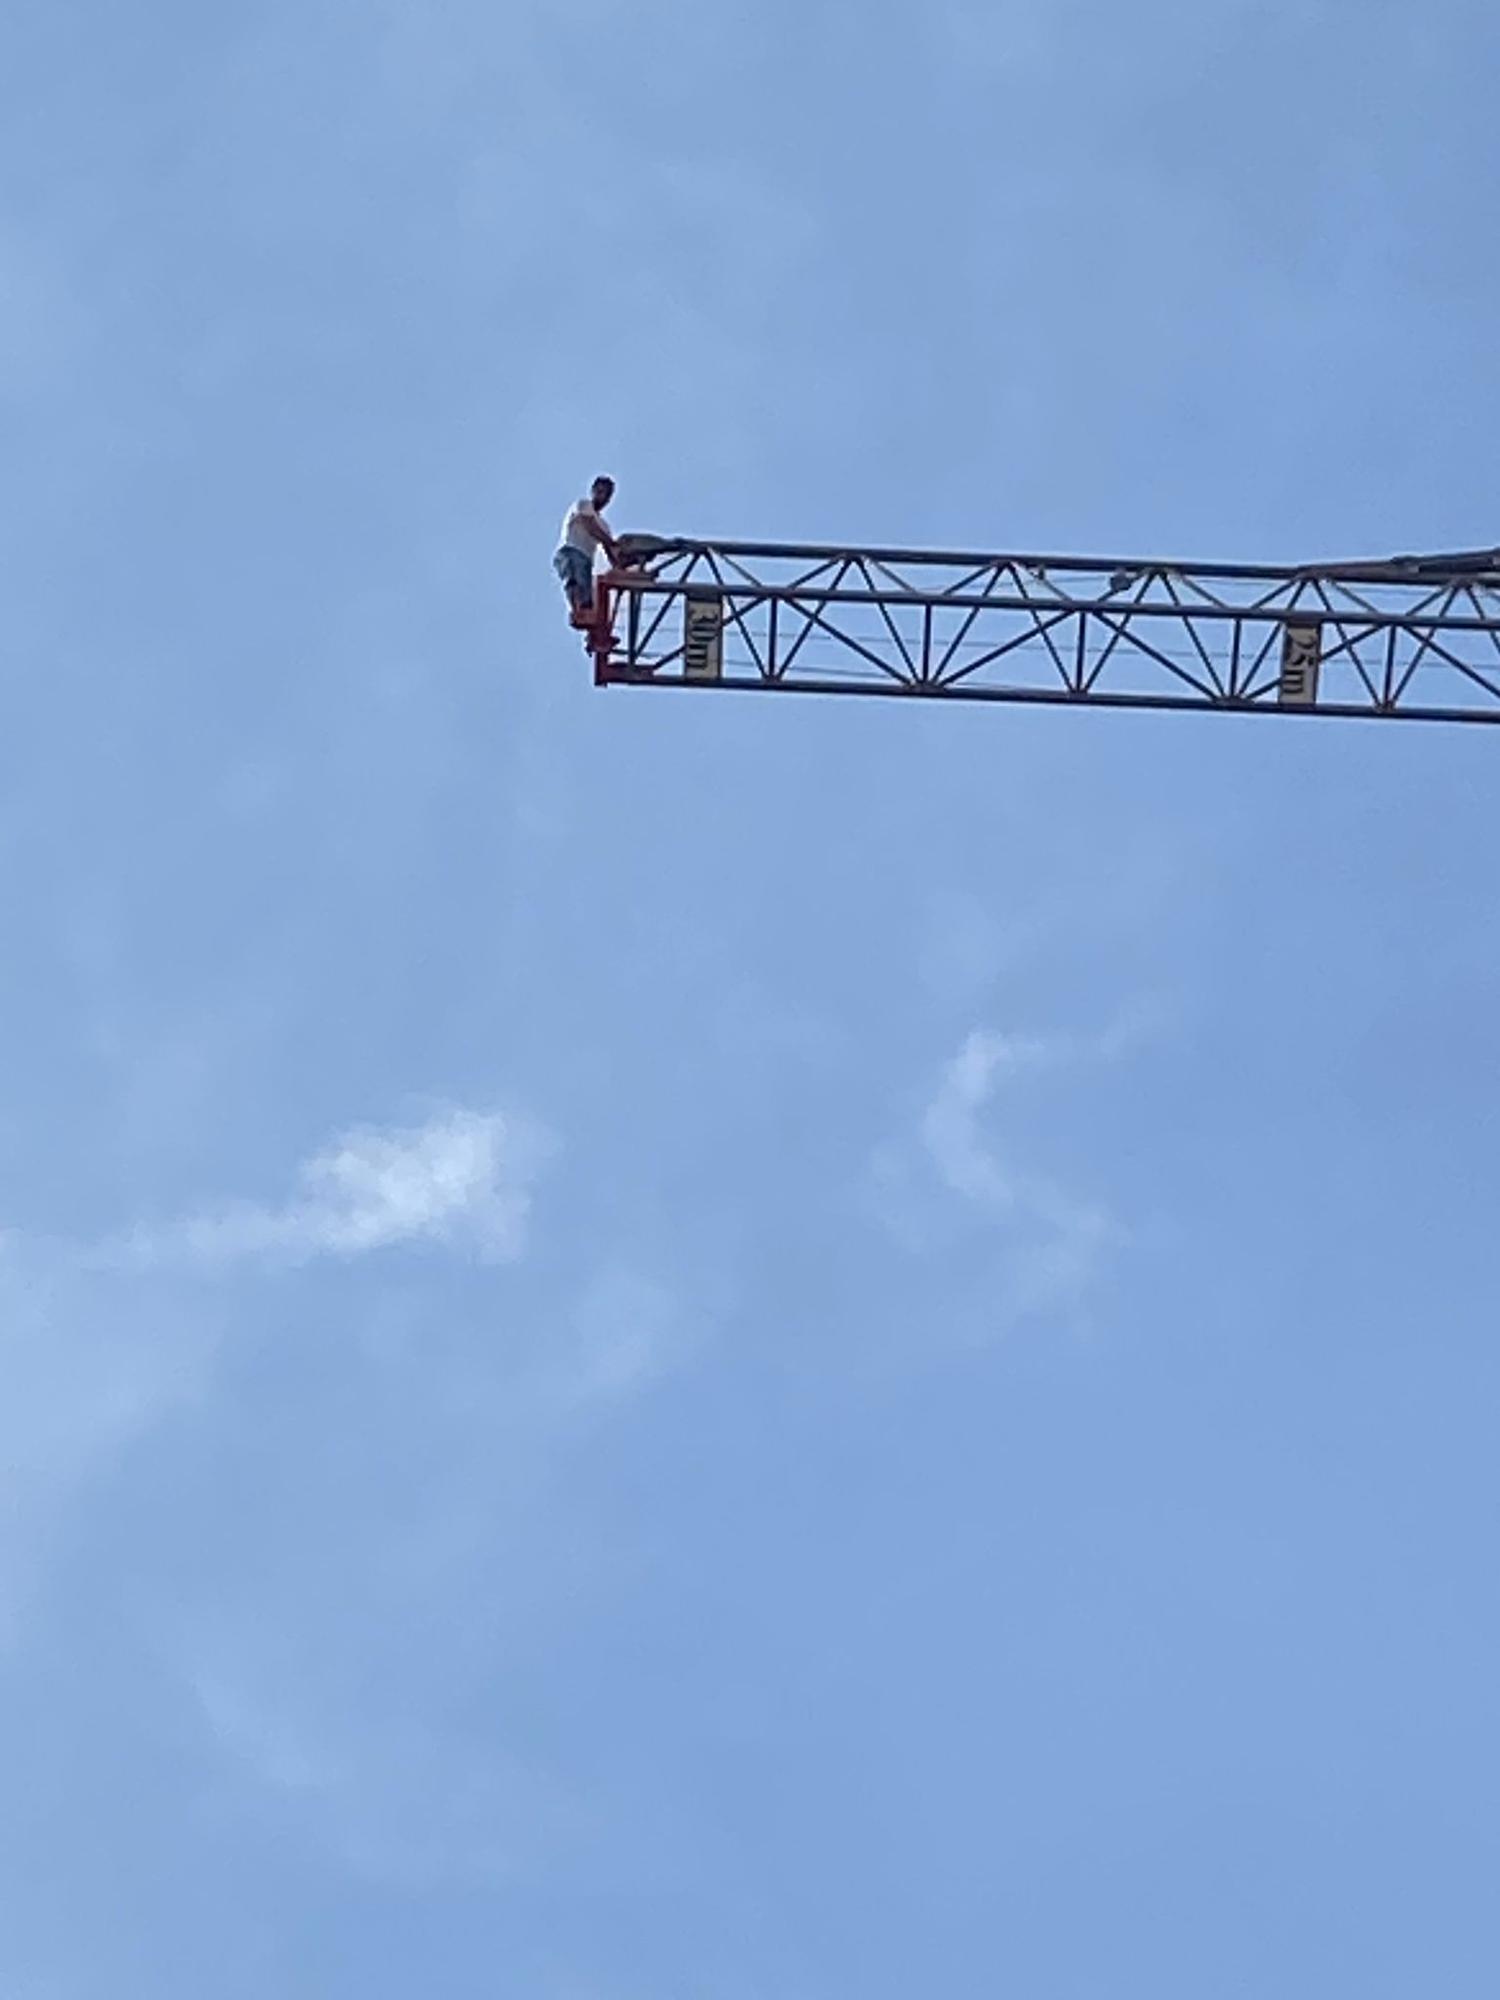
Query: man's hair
{"x": 603, "y": 479}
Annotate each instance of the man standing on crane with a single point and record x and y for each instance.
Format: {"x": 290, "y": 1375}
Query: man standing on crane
{"x": 584, "y": 532}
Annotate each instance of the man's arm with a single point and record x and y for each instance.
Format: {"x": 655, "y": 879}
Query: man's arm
{"x": 598, "y": 527}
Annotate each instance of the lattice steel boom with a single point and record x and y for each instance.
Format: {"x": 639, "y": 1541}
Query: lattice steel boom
{"x": 1415, "y": 636}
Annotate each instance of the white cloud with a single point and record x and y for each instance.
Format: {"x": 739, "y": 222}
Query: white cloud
{"x": 461, "y": 1181}
{"x": 951, "y": 1128}
{"x": 96, "y": 1344}
{"x": 1052, "y": 1244}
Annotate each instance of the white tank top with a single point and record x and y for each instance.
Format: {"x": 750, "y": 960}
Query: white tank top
{"x": 574, "y": 534}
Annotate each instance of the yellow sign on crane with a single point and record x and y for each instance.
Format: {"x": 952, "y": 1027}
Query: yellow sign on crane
{"x": 1301, "y": 655}
{"x": 703, "y": 635}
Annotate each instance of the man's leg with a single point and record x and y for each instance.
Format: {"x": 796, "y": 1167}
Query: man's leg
{"x": 577, "y": 574}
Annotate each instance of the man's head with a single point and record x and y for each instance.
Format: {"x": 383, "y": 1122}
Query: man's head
{"x": 602, "y": 491}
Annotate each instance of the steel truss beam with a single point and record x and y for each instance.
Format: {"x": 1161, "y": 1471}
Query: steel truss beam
{"x": 1413, "y": 637}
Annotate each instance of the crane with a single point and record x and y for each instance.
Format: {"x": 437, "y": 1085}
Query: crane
{"x": 1412, "y": 636}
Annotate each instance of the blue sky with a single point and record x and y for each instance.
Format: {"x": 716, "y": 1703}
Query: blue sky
{"x": 722, "y": 1349}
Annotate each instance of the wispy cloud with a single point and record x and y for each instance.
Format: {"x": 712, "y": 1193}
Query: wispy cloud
{"x": 97, "y": 1344}
{"x": 1052, "y": 1244}
{"x": 952, "y": 1132}
{"x": 629, "y": 1332}
{"x": 398, "y": 1799}
{"x": 84, "y": 1367}
{"x": 461, "y": 1181}
{"x": 325, "y": 1715}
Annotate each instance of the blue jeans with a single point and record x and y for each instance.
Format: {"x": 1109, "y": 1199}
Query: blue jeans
{"x": 577, "y": 573}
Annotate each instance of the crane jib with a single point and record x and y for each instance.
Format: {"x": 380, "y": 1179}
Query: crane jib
{"x": 1412, "y": 636}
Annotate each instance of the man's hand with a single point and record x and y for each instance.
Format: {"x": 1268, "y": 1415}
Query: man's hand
{"x": 595, "y": 523}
